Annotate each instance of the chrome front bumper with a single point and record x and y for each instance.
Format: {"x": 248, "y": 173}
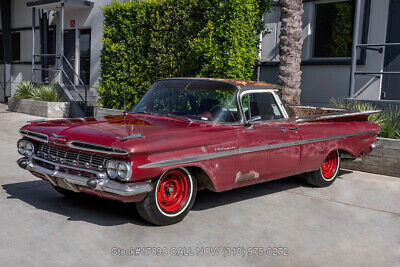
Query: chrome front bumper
{"x": 99, "y": 182}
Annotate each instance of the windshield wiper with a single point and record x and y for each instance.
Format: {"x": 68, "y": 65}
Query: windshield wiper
{"x": 141, "y": 112}
{"x": 176, "y": 117}
{"x": 164, "y": 114}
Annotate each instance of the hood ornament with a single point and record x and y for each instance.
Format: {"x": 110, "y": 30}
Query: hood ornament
{"x": 57, "y": 136}
{"x": 134, "y": 136}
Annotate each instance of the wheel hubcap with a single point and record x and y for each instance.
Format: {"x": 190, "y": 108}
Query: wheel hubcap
{"x": 328, "y": 167}
{"x": 172, "y": 191}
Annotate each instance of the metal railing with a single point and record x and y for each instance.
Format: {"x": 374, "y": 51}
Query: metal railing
{"x": 62, "y": 72}
{"x": 78, "y": 76}
{"x": 375, "y": 47}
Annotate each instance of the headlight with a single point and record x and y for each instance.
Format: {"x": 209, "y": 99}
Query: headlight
{"x": 120, "y": 170}
{"x": 124, "y": 171}
{"x": 25, "y": 148}
{"x": 112, "y": 169}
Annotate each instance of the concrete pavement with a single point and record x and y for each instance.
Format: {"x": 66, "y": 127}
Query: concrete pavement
{"x": 356, "y": 221}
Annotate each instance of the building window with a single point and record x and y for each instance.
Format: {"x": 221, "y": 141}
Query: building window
{"x": 15, "y": 46}
{"x": 333, "y": 29}
{"x": 52, "y": 45}
{"x": 84, "y": 52}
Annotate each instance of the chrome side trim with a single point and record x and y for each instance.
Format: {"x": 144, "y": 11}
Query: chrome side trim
{"x": 239, "y": 151}
{"x": 31, "y": 135}
{"x": 190, "y": 159}
{"x": 335, "y": 115}
{"x": 297, "y": 143}
{"x": 110, "y": 150}
{"x": 103, "y": 183}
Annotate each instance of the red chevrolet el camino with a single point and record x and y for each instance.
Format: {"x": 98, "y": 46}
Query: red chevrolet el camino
{"x": 188, "y": 134}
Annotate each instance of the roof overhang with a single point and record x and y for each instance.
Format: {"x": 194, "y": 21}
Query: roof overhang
{"x": 55, "y": 4}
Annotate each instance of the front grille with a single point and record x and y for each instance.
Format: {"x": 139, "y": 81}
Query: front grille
{"x": 65, "y": 170}
{"x": 72, "y": 158}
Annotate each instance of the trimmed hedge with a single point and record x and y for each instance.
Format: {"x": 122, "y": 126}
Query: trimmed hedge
{"x": 151, "y": 39}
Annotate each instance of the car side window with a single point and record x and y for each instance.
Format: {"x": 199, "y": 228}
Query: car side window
{"x": 261, "y": 107}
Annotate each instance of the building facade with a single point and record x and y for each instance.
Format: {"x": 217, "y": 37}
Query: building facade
{"x": 83, "y": 30}
{"x": 328, "y": 27}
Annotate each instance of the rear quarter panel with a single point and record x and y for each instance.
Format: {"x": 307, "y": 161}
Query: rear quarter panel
{"x": 313, "y": 154}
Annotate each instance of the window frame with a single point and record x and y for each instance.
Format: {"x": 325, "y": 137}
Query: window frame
{"x": 14, "y": 49}
{"x": 273, "y": 91}
{"x": 78, "y": 51}
{"x": 29, "y": 29}
{"x": 313, "y": 35}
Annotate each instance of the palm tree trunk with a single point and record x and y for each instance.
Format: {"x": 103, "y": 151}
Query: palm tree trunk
{"x": 290, "y": 50}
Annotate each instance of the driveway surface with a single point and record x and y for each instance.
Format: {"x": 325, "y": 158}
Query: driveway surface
{"x": 356, "y": 221}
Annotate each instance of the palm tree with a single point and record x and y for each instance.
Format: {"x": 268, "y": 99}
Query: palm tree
{"x": 290, "y": 50}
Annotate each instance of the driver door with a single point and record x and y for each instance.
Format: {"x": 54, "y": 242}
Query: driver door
{"x": 265, "y": 140}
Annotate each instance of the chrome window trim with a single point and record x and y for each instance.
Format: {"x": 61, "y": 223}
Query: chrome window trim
{"x": 25, "y": 133}
{"x": 245, "y": 150}
{"x": 199, "y": 120}
{"x": 71, "y": 145}
{"x": 260, "y": 91}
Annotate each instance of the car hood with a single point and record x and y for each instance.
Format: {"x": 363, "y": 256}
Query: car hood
{"x": 114, "y": 130}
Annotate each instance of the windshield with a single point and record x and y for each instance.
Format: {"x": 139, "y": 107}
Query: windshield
{"x": 191, "y": 99}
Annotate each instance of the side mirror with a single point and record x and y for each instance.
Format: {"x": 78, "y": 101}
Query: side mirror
{"x": 249, "y": 126}
{"x": 256, "y": 118}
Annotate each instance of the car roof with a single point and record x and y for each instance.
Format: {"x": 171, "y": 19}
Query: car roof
{"x": 237, "y": 83}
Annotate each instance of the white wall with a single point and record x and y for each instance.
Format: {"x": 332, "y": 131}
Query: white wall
{"x": 92, "y": 18}
{"x": 322, "y": 82}
{"x": 21, "y": 16}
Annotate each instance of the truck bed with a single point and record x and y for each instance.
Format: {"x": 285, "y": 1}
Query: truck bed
{"x": 309, "y": 114}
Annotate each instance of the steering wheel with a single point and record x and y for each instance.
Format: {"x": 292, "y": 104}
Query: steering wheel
{"x": 214, "y": 107}
{"x": 225, "y": 119}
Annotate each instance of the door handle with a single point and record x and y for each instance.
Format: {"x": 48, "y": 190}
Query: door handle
{"x": 294, "y": 129}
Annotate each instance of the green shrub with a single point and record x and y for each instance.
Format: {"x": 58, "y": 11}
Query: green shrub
{"x": 152, "y": 39}
{"x": 46, "y": 93}
{"x": 388, "y": 119}
{"x": 28, "y": 90}
{"x": 24, "y": 90}
{"x": 390, "y": 128}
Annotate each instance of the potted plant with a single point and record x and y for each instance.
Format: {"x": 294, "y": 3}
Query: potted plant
{"x": 39, "y": 100}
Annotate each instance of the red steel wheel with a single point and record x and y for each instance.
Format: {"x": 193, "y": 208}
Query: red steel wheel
{"x": 173, "y": 196}
{"x": 329, "y": 166}
{"x": 172, "y": 191}
{"x": 327, "y": 172}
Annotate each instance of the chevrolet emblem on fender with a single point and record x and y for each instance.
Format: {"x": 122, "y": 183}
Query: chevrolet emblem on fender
{"x": 57, "y": 138}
